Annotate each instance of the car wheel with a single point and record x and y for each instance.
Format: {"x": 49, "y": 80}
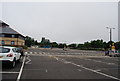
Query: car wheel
{"x": 13, "y": 63}
{"x": 110, "y": 55}
{"x": 115, "y": 56}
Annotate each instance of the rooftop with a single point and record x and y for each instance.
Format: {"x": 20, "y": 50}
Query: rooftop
{"x": 4, "y": 28}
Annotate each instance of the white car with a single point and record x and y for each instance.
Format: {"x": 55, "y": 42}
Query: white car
{"x": 9, "y": 55}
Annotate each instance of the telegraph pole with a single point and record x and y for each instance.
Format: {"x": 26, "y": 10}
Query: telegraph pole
{"x": 110, "y": 34}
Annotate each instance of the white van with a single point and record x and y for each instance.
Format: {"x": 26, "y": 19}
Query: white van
{"x": 115, "y": 53}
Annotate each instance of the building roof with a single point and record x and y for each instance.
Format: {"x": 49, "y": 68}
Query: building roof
{"x": 6, "y": 29}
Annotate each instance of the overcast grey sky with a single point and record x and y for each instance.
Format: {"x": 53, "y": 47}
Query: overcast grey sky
{"x": 69, "y": 22}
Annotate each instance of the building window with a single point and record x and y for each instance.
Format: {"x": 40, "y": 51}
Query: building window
{"x": 2, "y": 35}
{"x": 7, "y": 35}
{"x": 13, "y": 36}
{"x": 12, "y": 43}
{"x": 2, "y": 42}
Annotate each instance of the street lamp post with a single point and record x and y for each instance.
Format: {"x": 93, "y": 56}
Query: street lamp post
{"x": 110, "y": 34}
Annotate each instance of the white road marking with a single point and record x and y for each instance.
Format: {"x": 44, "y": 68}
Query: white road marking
{"x": 95, "y": 71}
{"x": 79, "y": 70}
{"x": 46, "y": 70}
{"x": 102, "y": 62}
{"x": 19, "y": 76}
{"x": 76, "y": 64}
{"x": 30, "y": 52}
{"x": 111, "y": 63}
{"x": 56, "y": 58}
{"x": 9, "y": 72}
{"x": 28, "y": 62}
{"x": 66, "y": 62}
{"x": 26, "y": 52}
{"x": 105, "y": 62}
{"x": 50, "y": 55}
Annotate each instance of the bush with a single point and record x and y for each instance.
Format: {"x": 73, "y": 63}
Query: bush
{"x": 25, "y": 47}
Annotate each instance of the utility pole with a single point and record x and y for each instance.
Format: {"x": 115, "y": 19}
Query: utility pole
{"x": 110, "y": 34}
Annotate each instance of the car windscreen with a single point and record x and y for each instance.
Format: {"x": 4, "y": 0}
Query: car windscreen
{"x": 4, "y": 50}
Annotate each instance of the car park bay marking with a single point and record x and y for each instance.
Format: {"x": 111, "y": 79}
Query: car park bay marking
{"x": 28, "y": 62}
{"x": 95, "y": 71}
{"x": 46, "y": 70}
{"x": 105, "y": 62}
{"x": 9, "y": 72}
{"x": 79, "y": 70}
{"x": 18, "y": 78}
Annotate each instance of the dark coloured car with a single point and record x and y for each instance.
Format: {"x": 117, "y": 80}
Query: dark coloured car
{"x": 20, "y": 50}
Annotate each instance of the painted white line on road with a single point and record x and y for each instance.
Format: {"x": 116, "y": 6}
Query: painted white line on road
{"x": 19, "y": 76}
{"x": 28, "y": 62}
{"x": 76, "y": 64}
{"x": 8, "y": 72}
{"x": 96, "y": 71}
{"x": 79, "y": 70}
{"x": 56, "y": 58}
{"x": 111, "y": 63}
{"x": 26, "y": 52}
{"x": 104, "y": 62}
{"x": 46, "y": 70}
{"x": 66, "y": 62}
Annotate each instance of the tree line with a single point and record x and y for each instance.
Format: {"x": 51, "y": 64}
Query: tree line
{"x": 96, "y": 45}
{"x": 92, "y": 45}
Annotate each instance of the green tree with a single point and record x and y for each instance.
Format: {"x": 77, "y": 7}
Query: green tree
{"x": 105, "y": 45}
{"x": 97, "y": 44}
{"x": 35, "y": 42}
{"x": 54, "y": 44}
{"x": 87, "y": 45}
{"x": 62, "y": 45}
{"x": 72, "y": 46}
{"x": 29, "y": 41}
{"x": 80, "y": 46}
{"x": 117, "y": 45}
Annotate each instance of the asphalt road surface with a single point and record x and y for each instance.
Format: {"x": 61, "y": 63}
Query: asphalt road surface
{"x": 64, "y": 65}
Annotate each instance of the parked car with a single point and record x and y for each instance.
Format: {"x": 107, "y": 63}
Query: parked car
{"x": 20, "y": 50}
{"x": 115, "y": 53}
{"x": 9, "y": 55}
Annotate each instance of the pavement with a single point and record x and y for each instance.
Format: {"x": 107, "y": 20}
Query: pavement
{"x": 63, "y": 65}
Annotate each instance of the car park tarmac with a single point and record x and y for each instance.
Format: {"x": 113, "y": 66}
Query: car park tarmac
{"x": 42, "y": 64}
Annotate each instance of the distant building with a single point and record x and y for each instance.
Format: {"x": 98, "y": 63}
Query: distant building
{"x": 10, "y": 37}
